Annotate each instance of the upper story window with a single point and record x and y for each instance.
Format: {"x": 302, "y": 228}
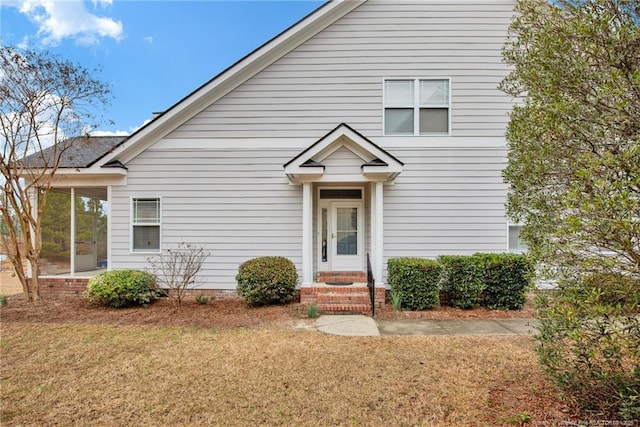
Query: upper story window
{"x": 416, "y": 107}
{"x": 145, "y": 223}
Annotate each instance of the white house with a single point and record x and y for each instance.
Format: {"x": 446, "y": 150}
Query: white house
{"x": 369, "y": 127}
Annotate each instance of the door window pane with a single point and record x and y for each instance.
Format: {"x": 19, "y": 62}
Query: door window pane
{"x": 324, "y": 234}
{"x": 347, "y": 243}
{"x": 347, "y": 231}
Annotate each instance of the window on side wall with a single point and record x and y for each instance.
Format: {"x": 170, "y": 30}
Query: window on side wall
{"x": 516, "y": 244}
{"x": 145, "y": 224}
{"x": 416, "y": 107}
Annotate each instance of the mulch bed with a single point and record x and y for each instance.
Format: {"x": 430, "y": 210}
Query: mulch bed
{"x": 447, "y": 313}
{"x": 219, "y": 313}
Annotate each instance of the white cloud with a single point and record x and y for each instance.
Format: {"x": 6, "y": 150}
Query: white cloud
{"x": 131, "y": 130}
{"x": 148, "y": 39}
{"x": 24, "y": 43}
{"x": 109, "y": 133}
{"x": 62, "y": 19}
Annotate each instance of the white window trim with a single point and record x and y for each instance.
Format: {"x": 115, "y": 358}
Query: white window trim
{"x": 416, "y": 106}
{"x": 132, "y": 225}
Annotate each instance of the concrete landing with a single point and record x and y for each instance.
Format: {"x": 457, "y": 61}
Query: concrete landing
{"x": 348, "y": 325}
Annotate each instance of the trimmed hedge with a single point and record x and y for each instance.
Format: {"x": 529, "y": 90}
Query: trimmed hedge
{"x": 267, "y": 280}
{"x": 507, "y": 278}
{"x": 122, "y": 288}
{"x": 462, "y": 280}
{"x": 416, "y": 280}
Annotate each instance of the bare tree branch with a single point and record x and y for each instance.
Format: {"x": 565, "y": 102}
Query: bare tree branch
{"x": 44, "y": 100}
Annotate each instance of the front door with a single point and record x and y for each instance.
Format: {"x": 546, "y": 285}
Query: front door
{"x": 346, "y": 236}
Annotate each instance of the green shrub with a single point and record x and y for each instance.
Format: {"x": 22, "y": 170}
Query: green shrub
{"x": 203, "y": 299}
{"x": 462, "y": 280}
{"x": 614, "y": 290}
{"x": 506, "y": 277}
{"x": 589, "y": 343}
{"x": 267, "y": 280}
{"x": 312, "y": 311}
{"x": 414, "y": 281}
{"x": 396, "y": 300}
{"x": 121, "y": 288}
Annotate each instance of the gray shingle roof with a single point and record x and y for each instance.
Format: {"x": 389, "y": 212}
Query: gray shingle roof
{"x": 82, "y": 151}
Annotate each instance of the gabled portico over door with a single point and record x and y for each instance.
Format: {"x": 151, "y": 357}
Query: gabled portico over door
{"x": 346, "y": 159}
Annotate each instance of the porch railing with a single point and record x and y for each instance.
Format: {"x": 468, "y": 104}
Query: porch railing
{"x": 371, "y": 284}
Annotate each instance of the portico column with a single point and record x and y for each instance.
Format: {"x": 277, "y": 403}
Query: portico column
{"x": 73, "y": 233}
{"x": 307, "y": 219}
{"x": 372, "y": 229}
{"x": 379, "y": 230}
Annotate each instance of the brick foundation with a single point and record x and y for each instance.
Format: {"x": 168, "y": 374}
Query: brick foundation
{"x": 228, "y": 294}
{"x": 63, "y": 286}
{"x": 330, "y": 299}
{"x": 75, "y": 286}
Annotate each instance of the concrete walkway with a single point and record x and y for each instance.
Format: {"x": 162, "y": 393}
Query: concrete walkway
{"x": 358, "y": 325}
{"x": 351, "y": 325}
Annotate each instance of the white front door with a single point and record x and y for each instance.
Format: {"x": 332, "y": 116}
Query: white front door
{"x": 346, "y": 236}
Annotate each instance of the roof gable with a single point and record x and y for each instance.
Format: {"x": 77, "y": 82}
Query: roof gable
{"x": 231, "y": 78}
{"x": 377, "y": 163}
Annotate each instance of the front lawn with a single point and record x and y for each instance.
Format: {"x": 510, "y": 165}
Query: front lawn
{"x": 132, "y": 374}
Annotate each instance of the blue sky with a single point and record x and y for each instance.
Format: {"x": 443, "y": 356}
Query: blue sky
{"x": 152, "y": 53}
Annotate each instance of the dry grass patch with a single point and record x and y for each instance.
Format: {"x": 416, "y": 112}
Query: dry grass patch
{"x": 133, "y": 375}
{"x": 9, "y": 283}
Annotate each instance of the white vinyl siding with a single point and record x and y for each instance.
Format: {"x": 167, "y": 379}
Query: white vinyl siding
{"x": 238, "y": 204}
{"x": 235, "y": 203}
{"x": 446, "y": 202}
{"x": 145, "y": 225}
{"x": 220, "y": 173}
{"x": 416, "y": 107}
{"x": 336, "y": 76}
{"x": 343, "y": 162}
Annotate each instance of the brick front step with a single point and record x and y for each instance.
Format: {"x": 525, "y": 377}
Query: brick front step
{"x": 343, "y": 298}
{"x": 345, "y": 309}
{"x": 338, "y": 299}
{"x": 341, "y": 277}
